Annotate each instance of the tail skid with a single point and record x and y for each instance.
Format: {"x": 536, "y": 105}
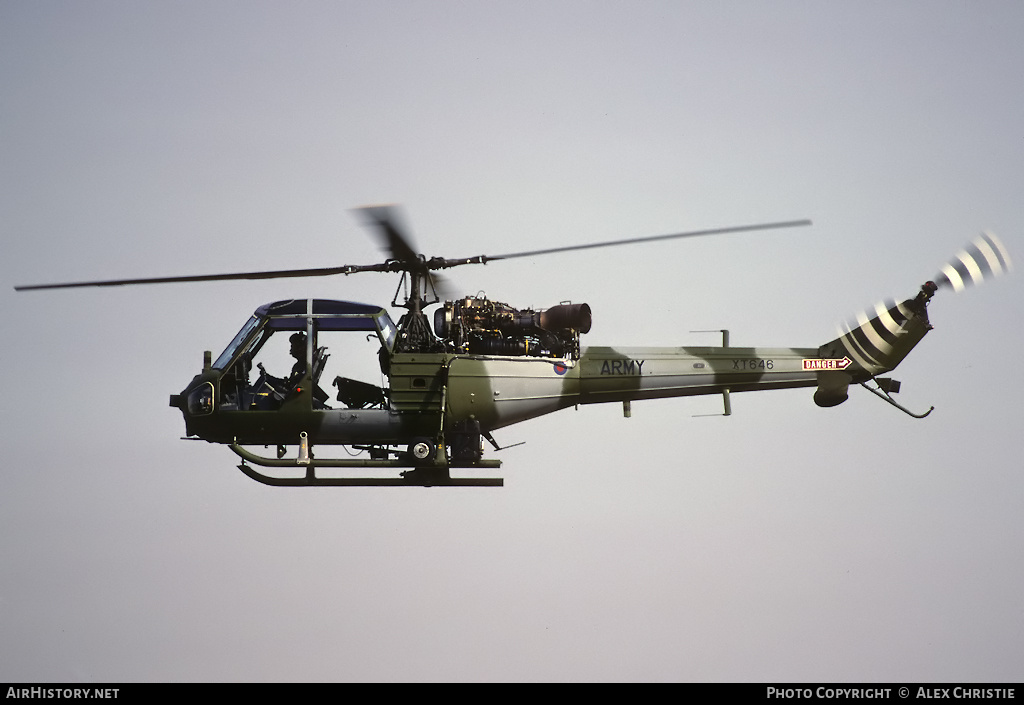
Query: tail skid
{"x": 887, "y": 387}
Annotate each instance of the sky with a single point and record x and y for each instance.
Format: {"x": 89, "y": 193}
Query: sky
{"x": 783, "y": 543}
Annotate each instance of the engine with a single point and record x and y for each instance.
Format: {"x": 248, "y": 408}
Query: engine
{"x": 484, "y": 327}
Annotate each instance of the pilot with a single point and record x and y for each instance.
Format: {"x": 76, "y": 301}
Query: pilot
{"x": 298, "y": 351}
{"x": 280, "y": 389}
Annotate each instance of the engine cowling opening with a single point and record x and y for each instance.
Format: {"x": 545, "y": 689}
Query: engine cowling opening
{"x": 477, "y": 325}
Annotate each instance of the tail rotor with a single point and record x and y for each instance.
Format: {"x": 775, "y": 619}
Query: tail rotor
{"x": 880, "y": 338}
{"x": 985, "y": 258}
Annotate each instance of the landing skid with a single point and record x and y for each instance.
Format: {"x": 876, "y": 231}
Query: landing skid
{"x": 411, "y": 477}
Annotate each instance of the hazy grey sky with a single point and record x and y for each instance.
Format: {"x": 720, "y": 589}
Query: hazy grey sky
{"x": 784, "y": 543}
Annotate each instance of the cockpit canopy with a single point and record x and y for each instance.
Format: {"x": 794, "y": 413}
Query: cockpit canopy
{"x": 312, "y": 316}
{"x": 294, "y": 344}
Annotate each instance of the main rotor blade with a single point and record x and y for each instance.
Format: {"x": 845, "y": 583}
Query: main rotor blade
{"x": 280, "y": 273}
{"x": 384, "y": 219}
{"x": 651, "y": 238}
{"x": 393, "y": 235}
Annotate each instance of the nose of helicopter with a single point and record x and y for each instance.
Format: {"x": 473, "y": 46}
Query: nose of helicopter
{"x": 194, "y": 402}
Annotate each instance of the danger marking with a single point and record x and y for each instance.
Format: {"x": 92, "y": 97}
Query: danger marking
{"x": 827, "y": 364}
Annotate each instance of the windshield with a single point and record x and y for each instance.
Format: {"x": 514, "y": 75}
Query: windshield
{"x": 387, "y": 330}
{"x": 229, "y": 351}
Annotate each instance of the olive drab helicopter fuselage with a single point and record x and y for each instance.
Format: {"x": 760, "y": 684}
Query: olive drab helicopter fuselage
{"x": 485, "y": 365}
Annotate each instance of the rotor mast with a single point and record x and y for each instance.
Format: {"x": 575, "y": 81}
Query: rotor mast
{"x": 414, "y": 333}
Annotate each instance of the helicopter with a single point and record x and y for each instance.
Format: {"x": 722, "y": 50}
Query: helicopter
{"x": 484, "y": 365}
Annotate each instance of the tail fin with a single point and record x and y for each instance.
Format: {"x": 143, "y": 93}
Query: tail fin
{"x": 874, "y": 346}
{"x": 879, "y": 344}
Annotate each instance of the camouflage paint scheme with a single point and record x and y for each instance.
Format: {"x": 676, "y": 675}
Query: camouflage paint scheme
{"x": 503, "y": 391}
{"x": 431, "y": 392}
